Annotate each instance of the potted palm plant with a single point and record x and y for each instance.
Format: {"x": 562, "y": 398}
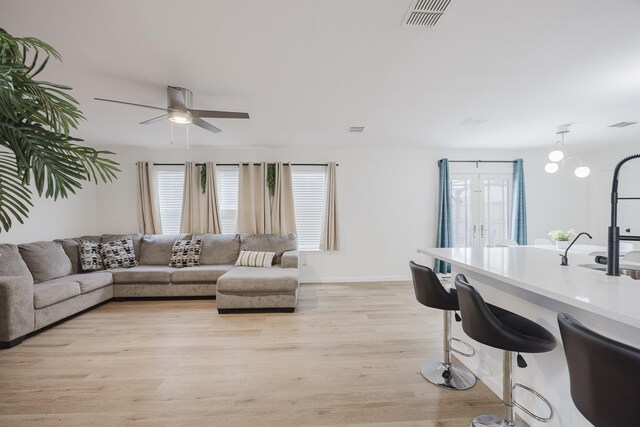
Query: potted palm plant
{"x": 36, "y": 121}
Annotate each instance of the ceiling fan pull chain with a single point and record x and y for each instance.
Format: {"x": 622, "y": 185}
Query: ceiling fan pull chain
{"x": 171, "y": 123}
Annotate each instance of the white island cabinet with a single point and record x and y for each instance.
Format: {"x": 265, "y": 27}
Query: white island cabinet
{"x": 531, "y": 282}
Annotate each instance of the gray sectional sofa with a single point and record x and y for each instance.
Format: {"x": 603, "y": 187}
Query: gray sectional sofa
{"x": 42, "y": 283}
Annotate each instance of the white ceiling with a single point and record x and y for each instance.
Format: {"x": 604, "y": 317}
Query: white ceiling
{"x": 307, "y": 70}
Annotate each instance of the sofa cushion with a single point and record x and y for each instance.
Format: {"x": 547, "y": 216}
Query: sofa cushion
{"x": 118, "y": 254}
{"x": 90, "y": 256}
{"x": 71, "y": 248}
{"x": 11, "y": 263}
{"x": 185, "y": 253}
{"x": 143, "y": 274}
{"x": 256, "y": 279}
{"x": 255, "y": 259}
{"x": 156, "y": 248}
{"x": 46, "y": 260}
{"x": 136, "y": 238}
{"x": 88, "y": 281}
{"x": 200, "y": 274}
{"x": 219, "y": 248}
{"x": 289, "y": 259}
{"x": 51, "y": 292}
{"x": 277, "y": 243}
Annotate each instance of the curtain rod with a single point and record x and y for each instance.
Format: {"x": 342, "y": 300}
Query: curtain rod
{"x": 481, "y": 161}
{"x": 237, "y": 164}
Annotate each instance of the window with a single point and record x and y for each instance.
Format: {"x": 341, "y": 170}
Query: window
{"x": 228, "y": 177}
{"x": 461, "y": 195}
{"x": 309, "y": 199}
{"x": 170, "y": 187}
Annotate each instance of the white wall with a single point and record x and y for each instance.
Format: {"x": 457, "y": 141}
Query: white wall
{"x": 386, "y": 199}
{"x": 48, "y": 219}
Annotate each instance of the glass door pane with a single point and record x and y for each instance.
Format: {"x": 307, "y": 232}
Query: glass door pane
{"x": 461, "y": 195}
{"x": 496, "y": 210}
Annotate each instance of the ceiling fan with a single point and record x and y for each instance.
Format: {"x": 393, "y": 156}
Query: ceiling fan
{"x": 179, "y": 110}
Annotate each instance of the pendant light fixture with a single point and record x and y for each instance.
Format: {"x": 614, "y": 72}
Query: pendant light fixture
{"x": 557, "y": 157}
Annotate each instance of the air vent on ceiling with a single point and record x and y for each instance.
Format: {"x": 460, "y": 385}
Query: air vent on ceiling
{"x": 622, "y": 124}
{"x": 356, "y": 129}
{"x": 425, "y": 13}
{"x": 471, "y": 121}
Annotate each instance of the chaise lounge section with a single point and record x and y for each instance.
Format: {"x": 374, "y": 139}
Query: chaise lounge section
{"x": 43, "y": 283}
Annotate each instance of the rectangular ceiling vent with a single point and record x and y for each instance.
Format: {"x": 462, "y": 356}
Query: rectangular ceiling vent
{"x": 622, "y": 124}
{"x": 356, "y": 129}
{"x": 425, "y": 13}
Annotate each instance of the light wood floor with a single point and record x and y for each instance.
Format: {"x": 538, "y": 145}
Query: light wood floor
{"x": 350, "y": 355}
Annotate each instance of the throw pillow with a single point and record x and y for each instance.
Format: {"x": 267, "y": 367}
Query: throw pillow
{"x": 255, "y": 259}
{"x": 186, "y": 253}
{"x": 118, "y": 254}
{"x": 90, "y": 257}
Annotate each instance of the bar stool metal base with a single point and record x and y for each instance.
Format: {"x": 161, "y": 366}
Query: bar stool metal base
{"x": 491, "y": 420}
{"x": 446, "y": 375}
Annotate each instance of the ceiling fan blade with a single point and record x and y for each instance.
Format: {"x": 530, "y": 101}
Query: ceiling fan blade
{"x": 176, "y": 98}
{"x": 218, "y": 114}
{"x": 130, "y": 103}
{"x": 155, "y": 119}
{"x": 204, "y": 125}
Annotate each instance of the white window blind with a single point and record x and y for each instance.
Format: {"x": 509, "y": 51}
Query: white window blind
{"x": 309, "y": 199}
{"x": 228, "y": 177}
{"x": 170, "y": 188}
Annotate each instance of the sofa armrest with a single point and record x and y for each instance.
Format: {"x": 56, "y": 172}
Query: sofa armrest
{"x": 289, "y": 259}
{"x": 17, "y": 316}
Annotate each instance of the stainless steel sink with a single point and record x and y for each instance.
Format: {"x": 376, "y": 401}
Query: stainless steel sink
{"x": 625, "y": 270}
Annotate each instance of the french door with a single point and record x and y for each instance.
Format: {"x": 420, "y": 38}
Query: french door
{"x": 480, "y": 209}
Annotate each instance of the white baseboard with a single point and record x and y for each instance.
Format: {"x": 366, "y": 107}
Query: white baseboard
{"x": 355, "y": 279}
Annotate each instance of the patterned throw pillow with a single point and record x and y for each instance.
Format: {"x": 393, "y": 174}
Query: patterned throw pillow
{"x": 118, "y": 254}
{"x": 255, "y": 259}
{"x": 186, "y": 253}
{"x": 90, "y": 257}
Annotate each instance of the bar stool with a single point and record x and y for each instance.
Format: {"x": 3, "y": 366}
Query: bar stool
{"x": 430, "y": 292}
{"x": 499, "y": 328}
{"x": 603, "y": 373}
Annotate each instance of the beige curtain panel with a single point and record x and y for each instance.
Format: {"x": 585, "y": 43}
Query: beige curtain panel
{"x": 191, "y": 220}
{"x": 148, "y": 204}
{"x": 254, "y": 212}
{"x": 330, "y": 230}
{"x": 283, "y": 217}
{"x": 210, "y": 212}
{"x": 258, "y": 210}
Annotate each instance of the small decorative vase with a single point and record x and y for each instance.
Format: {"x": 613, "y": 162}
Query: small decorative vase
{"x": 562, "y": 244}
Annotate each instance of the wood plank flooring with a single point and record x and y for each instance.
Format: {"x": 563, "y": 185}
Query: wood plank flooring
{"x": 350, "y": 355}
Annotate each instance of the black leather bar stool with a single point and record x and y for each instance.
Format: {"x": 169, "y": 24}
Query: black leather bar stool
{"x": 430, "y": 292}
{"x": 604, "y": 375}
{"x": 499, "y": 328}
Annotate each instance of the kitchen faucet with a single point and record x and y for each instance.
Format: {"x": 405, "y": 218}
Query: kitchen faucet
{"x": 564, "y": 260}
{"x": 614, "y": 237}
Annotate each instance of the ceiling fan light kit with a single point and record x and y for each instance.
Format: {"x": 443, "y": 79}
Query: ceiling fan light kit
{"x": 557, "y": 157}
{"x": 179, "y": 110}
{"x": 180, "y": 117}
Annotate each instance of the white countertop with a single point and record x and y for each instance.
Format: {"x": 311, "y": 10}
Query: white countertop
{"x": 539, "y": 271}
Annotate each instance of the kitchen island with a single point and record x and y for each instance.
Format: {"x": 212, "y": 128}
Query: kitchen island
{"x": 531, "y": 282}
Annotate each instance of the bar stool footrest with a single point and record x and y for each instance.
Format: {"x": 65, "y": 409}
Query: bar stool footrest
{"x": 539, "y": 396}
{"x": 470, "y": 353}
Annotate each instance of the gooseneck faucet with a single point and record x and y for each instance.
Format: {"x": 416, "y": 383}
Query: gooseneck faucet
{"x": 614, "y": 237}
{"x": 564, "y": 260}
